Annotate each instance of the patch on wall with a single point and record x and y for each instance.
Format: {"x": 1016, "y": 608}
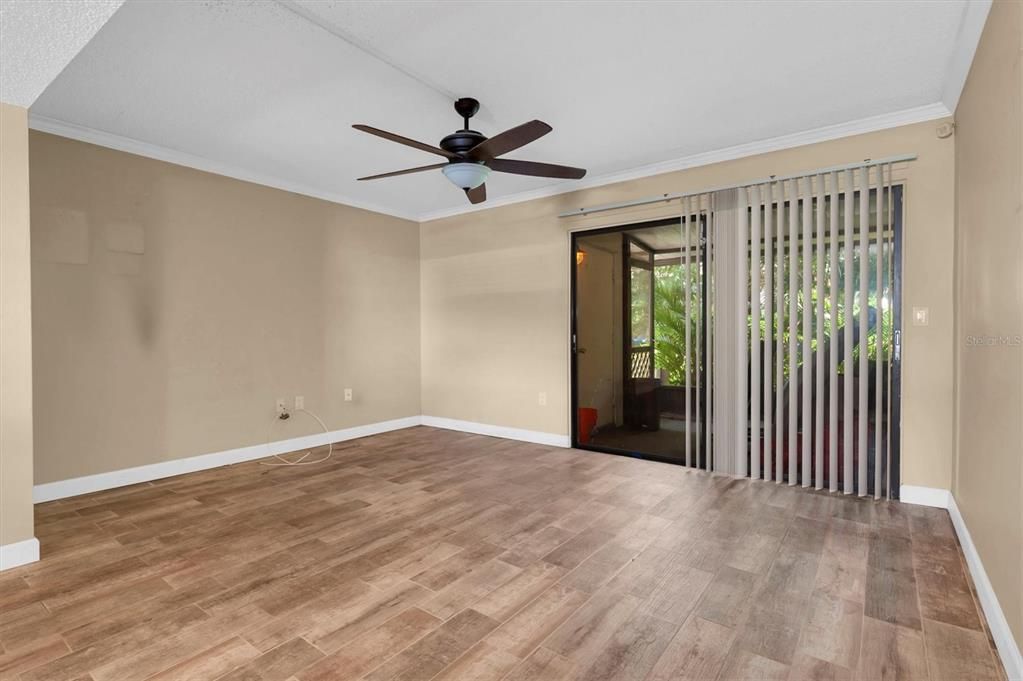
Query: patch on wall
{"x": 60, "y": 235}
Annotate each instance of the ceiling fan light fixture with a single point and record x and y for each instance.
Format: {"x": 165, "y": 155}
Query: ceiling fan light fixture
{"x": 466, "y": 175}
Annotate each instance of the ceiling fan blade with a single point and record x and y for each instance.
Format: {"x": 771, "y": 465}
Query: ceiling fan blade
{"x": 507, "y": 165}
{"x": 405, "y": 140}
{"x": 509, "y": 140}
{"x": 404, "y": 172}
{"x": 477, "y": 195}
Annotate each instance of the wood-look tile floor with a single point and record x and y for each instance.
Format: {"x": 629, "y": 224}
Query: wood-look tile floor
{"x": 429, "y": 554}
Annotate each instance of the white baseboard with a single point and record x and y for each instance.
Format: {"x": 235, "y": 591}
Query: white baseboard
{"x": 999, "y": 626}
{"x": 19, "y": 553}
{"x": 130, "y": 476}
{"x": 534, "y": 436}
{"x": 1008, "y": 651}
{"x": 924, "y": 496}
{"x": 63, "y": 489}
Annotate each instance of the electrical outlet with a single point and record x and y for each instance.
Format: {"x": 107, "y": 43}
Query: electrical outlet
{"x": 281, "y": 408}
{"x": 542, "y": 399}
{"x": 299, "y": 402}
{"x": 348, "y": 394}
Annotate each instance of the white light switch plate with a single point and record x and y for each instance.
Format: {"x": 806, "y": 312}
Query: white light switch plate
{"x": 921, "y": 316}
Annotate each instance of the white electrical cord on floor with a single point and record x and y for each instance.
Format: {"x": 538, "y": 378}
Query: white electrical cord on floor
{"x": 301, "y": 461}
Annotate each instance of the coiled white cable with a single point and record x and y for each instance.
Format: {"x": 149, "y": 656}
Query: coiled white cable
{"x": 301, "y": 461}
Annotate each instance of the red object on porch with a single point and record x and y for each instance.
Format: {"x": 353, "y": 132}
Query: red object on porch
{"x": 784, "y": 453}
{"x": 587, "y": 422}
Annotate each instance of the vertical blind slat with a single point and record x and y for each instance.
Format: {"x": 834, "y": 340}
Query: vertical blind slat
{"x": 833, "y": 244}
{"x": 818, "y": 420}
{"x": 709, "y": 322}
{"x": 793, "y": 382}
{"x": 806, "y": 380}
{"x": 864, "y": 308}
{"x": 754, "y": 302}
{"x": 847, "y": 340}
{"x": 742, "y": 334}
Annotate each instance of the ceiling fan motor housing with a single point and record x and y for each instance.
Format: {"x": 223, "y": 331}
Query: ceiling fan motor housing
{"x": 462, "y": 141}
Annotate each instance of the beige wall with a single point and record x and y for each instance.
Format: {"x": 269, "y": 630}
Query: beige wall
{"x": 495, "y": 291}
{"x": 171, "y": 307}
{"x": 15, "y": 330}
{"x": 988, "y": 484}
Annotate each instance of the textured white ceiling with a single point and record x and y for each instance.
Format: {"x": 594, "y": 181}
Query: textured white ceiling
{"x": 273, "y": 88}
{"x": 39, "y": 37}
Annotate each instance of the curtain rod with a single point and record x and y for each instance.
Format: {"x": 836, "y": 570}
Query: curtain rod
{"x": 739, "y": 185}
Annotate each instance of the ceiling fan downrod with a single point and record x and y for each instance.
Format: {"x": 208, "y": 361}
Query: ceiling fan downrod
{"x": 467, "y": 107}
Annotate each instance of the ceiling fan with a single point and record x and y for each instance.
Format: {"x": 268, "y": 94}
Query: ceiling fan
{"x": 471, "y": 155}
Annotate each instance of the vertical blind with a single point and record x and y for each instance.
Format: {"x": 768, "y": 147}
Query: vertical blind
{"x": 790, "y": 379}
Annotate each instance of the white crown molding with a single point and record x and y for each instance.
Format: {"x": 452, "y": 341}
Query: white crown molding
{"x": 895, "y": 119}
{"x": 181, "y": 158}
{"x": 967, "y": 38}
{"x": 534, "y": 436}
{"x": 19, "y": 553}
{"x": 62, "y": 489}
{"x": 858, "y": 127}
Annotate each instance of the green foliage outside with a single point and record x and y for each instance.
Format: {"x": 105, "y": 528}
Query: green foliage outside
{"x": 671, "y": 320}
{"x": 671, "y": 317}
